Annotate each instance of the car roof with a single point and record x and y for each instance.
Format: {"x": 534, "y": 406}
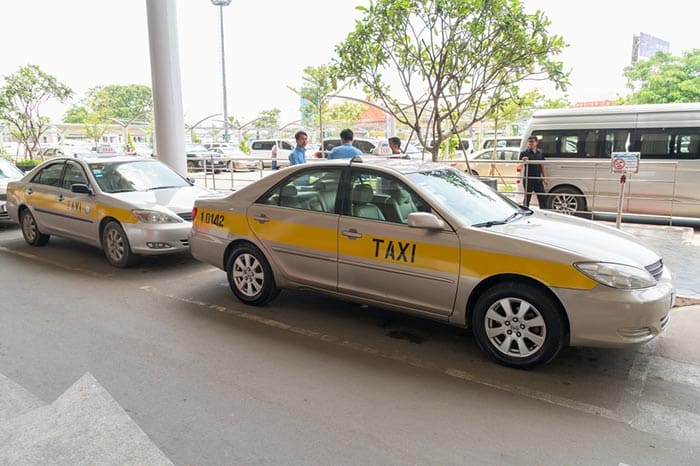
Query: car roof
{"x": 400, "y": 165}
{"x": 92, "y": 157}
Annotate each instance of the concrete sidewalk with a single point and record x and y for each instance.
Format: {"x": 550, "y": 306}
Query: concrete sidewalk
{"x": 680, "y": 249}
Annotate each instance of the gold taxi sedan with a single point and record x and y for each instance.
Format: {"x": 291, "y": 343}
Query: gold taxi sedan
{"x": 125, "y": 205}
{"x": 432, "y": 241}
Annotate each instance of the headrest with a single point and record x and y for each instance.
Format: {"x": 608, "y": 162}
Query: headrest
{"x": 324, "y": 186}
{"x": 362, "y": 193}
{"x": 399, "y": 195}
{"x": 289, "y": 191}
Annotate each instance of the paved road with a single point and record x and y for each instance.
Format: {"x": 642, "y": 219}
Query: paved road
{"x": 311, "y": 380}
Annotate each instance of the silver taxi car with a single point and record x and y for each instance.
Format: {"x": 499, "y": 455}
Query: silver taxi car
{"x": 125, "y": 205}
{"x": 435, "y": 242}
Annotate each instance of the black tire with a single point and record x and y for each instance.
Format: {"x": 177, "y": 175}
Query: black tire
{"x": 116, "y": 246}
{"x": 30, "y": 230}
{"x": 250, "y": 276}
{"x": 518, "y": 325}
{"x": 566, "y": 200}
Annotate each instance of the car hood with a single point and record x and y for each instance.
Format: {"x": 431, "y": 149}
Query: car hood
{"x": 584, "y": 238}
{"x": 178, "y": 200}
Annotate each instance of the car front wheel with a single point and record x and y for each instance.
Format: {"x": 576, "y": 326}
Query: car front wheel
{"x": 116, "y": 245}
{"x": 250, "y": 276}
{"x": 30, "y": 230}
{"x": 518, "y": 325}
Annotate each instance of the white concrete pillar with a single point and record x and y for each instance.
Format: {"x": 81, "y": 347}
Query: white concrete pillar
{"x": 166, "y": 82}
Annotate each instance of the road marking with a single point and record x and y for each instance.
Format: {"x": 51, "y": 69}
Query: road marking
{"x": 669, "y": 422}
{"x": 676, "y": 372}
{"x": 451, "y": 372}
{"x": 54, "y": 263}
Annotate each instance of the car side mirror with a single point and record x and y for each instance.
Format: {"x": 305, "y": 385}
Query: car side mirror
{"x": 80, "y": 188}
{"x": 190, "y": 180}
{"x": 425, "y": 220}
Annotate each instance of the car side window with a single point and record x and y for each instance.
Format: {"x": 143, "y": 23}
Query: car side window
{"x": 314, "y": 189}
{"x": 74, "y": 174}
{"x": 379, "y": 196}
{"x": 49, "y": 175}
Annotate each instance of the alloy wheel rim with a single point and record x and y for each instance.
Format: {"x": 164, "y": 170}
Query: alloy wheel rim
{"x": 565, "y": 204}
{"x": 115, "y": 244}
{"x": 29, "y": 227}
{"x": 515, "y": 327}
{"x": 248, "y": 275}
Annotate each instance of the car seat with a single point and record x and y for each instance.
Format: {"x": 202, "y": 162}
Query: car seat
{"x": 362, "y": 205}
{"x": 404, "y": 202}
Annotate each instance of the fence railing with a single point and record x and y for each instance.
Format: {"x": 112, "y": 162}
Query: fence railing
{"x": 662, "y": 189}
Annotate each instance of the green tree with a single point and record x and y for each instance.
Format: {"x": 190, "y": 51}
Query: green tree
{"x": 344, "y": 114}
{"x": 96, "y": 125}
{"x": 20, "y": 100}
{"x": 120, "y": 104}
{"x": 318, "y": 87}
{"x": 268, "y": 120}
{"x": 664, "y": 78}
{"x": 439, "y": 66}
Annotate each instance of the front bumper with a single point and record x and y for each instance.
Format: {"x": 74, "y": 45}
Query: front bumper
{"x": 155, "y": 239}
{"x": 611, "y": 318}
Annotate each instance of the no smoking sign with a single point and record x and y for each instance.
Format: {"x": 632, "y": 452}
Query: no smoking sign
{"x": 625, "y": 162}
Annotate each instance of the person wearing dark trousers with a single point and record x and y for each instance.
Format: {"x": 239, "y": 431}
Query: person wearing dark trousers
{"x": 533, "y": 174}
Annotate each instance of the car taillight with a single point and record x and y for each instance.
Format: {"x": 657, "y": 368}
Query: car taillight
{"x": 194, "y": 213}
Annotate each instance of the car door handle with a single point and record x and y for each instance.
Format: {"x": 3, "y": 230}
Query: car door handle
{"x": 262, "y": 218}
{"x": 351, "y": 233}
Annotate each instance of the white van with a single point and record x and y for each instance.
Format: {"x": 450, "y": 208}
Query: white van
{"x": 577, "y": 144}
{"x": 276, "y": 150}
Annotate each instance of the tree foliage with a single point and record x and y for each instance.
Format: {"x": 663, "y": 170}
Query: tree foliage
{"x": 20, "y": 100}
{"x": 344, "y": 114}
{"x": 123, "y": 103}
{"x": 439, "y": 66}
{"x": 317, "y": 89}
{"x": 269, "y": 120}
{"x": 664, "y": 78}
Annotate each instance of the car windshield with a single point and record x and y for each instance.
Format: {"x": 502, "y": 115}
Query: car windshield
{"x": 120, "y": 177}
{"x": 7, "y": 170}
{"x": 466, "y": 198}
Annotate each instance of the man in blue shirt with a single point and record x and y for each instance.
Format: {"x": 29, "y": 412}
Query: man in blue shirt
{"x": 298, "y": 155}
{"x": 345, "y": 150}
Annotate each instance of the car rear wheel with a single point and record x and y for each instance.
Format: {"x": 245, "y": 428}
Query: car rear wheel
{"x": 250, "y": 276}
{"x": 566, "y": 200}
{"x": 30, "y": 230}
{"x": 518, "y": 325}
{"x": 116, "y": 245}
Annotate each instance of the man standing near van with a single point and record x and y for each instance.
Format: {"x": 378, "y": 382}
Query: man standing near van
{"x": 533, "y": 174}
{"x": 345, "y": 150}
{"x": 298, "y": 155}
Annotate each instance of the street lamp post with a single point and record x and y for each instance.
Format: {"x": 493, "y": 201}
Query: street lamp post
{"x": 221, "y": 4}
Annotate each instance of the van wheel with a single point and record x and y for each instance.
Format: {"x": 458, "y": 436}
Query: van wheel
{"x": 566, "y": 200}
{"x": 518, "y": 325}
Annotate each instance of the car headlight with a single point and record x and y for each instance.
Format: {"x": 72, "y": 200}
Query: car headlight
{"x": 621, "y": 276}
{"x": 154, "y": 216}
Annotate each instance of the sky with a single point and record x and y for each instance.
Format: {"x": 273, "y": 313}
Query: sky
{"x": 268, "y": 43}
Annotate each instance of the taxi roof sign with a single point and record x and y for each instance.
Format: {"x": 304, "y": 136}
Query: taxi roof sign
{"x": 625, "y": 162}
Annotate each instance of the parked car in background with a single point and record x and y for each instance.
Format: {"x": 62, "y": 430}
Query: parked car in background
{"x": 8, "y": 172}
{"x": 125, "y": 205}
{"x": 237, "y": 159}
{"x": 367, "y": 146}
{"x": 502, "y": 141}
{"x": 200, "y": 158}
{"x": 277, "y": 149}
{"x": 501, "y": 164}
